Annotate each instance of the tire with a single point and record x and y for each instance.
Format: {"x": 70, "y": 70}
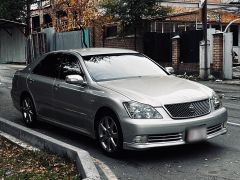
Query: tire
{"x": 109, "y": 134}
{"x": 28, "y": 111}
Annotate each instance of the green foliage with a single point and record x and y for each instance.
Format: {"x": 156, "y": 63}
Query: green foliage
{"x": 12, "y": 9}
{"x": 131, "y": 12}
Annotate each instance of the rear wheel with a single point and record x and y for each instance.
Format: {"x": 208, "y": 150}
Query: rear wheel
{"x": 109, "y": 134}
{"x": 28, "y": 111}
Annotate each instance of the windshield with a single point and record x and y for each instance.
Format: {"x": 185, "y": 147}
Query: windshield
{"x": 121, "y": 66}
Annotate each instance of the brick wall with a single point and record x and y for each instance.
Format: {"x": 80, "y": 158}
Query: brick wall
{"x": 217, "y": 65}
{"x": 180, "y": 68}
{"x": 96, "y": 37}
{"x": 127, "y": 42}
{"x": 189, "y": 68}
{"x": 124, "y": 42}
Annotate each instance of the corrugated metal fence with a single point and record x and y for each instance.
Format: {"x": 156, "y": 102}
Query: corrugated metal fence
{"x": 12, "y": 46}
{"x": 49, "y": 40}
{"x": 36, "y": 46}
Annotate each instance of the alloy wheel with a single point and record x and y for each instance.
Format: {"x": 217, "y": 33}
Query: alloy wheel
{"x": 28, "y": 111}
{"x": 108, "y": 134}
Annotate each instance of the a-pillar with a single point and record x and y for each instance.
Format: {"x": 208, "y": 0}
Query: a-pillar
{"x": 176, "y": 52}
{"x": 217, "y": 64}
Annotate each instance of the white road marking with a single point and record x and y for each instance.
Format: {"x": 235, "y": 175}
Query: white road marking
{"x": 234, "y": 124}
{"x": 106, "y": 170}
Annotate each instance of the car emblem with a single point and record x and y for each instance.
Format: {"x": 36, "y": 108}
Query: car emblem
{"x": 191, "y": 108}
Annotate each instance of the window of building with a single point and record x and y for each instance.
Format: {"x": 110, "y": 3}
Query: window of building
{"x": 191, "y": 27}
{"x": 61, "y": 14}
{"x": 180, "y": 27}
{"x": 168, "y": 27}
{"x": 159, "y": 27}
{"x": 128, "y": 30}
{"x": 47, "y": 20}
{"x": 217, "y": 27}
{"x": 110, "y": 31}
{"x": 36, "y": 23}
{"x": 234, "y": 30}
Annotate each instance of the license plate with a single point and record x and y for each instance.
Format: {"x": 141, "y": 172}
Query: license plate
{"x": 196, "y": 134}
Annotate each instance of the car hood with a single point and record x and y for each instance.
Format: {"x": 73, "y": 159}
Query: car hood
{"x": 157, "y": 91}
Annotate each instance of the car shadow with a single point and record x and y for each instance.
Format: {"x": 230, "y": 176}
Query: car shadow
{"x": 65, "y": 135}
{"x": 180, "y": 153}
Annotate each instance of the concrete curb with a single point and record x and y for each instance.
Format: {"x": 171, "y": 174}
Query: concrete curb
{"x": 83, "y": 160}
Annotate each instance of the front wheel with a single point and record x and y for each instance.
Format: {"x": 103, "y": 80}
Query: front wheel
{"x": 109, "y": 134}
{"x": 28, "y": 111}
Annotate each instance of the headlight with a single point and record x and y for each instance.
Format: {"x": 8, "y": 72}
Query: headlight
{"x": 216, "y": 101}
{"x": 141, "y": 111}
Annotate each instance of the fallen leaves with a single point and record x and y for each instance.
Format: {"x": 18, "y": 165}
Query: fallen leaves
{"x": 19, "y": 163}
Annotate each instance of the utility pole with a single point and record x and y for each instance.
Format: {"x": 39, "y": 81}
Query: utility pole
{"x": 28, "y": 28}
{"x": 204, "y": 22}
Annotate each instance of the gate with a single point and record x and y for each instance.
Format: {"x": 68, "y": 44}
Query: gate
{"x": 36, "y": 46}
{"x": 158, "y": 47}
{"x": 189, "y": 45}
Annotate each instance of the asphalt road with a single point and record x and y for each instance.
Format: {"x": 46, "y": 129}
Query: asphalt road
{"x": 218, "y": 158}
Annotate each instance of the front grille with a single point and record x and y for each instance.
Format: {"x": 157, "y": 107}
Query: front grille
{"x": 165, "y": 138}
{"x": 214, "y": 129}
{"x": 190, "y": 109}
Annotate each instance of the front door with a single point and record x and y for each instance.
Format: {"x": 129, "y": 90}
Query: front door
{"x": 70, "y": 101}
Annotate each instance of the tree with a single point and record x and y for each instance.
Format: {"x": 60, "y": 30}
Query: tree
{"x": 69, "y": 15}
{"x": 132, "y": 12}
{"x": 13, "y": 10}
{"x": 72, "y": 14}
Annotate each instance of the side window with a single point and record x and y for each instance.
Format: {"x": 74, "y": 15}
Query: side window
{"x": 49, "y": 66}
{"x": 69, "y": 66}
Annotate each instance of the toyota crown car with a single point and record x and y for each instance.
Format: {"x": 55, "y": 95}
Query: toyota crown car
{"x": 119, "y": 97}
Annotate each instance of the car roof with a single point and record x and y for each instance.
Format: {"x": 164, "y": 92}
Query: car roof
{"x": 99, "y": 51}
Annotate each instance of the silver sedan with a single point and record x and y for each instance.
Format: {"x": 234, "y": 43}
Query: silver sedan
{"x": 120, "y": 97}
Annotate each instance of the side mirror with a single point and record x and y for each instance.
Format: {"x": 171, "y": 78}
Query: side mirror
{"x": 75, "y": 79}
{"x": 170, "y": 70}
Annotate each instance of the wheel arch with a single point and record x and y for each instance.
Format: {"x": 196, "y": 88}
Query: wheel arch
{"x": 100, "y": 112}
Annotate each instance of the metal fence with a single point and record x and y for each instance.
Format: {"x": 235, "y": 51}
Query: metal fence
{"x": 12, "y": 45}
{"x": 36, "y": 46}
{"x": 158, "y": 46}
{"x": 49, "y": 40}
{"x": 66, "y": 40}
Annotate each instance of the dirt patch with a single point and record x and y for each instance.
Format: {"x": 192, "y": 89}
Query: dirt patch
{"x": 19, "y": 163}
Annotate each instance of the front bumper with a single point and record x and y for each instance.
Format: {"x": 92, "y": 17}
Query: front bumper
{"x": 169, "y": 132}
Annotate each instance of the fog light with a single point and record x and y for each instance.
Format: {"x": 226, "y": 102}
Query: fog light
{"x": 140, "y": 139}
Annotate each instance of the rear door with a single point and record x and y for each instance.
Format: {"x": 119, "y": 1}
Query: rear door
{"x": 40, "y": 83}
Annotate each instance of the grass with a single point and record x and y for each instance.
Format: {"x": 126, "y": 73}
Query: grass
{"x": 19, "y": 163}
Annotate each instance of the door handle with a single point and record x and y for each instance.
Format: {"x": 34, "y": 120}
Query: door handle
{"x": 30, "y": 80}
